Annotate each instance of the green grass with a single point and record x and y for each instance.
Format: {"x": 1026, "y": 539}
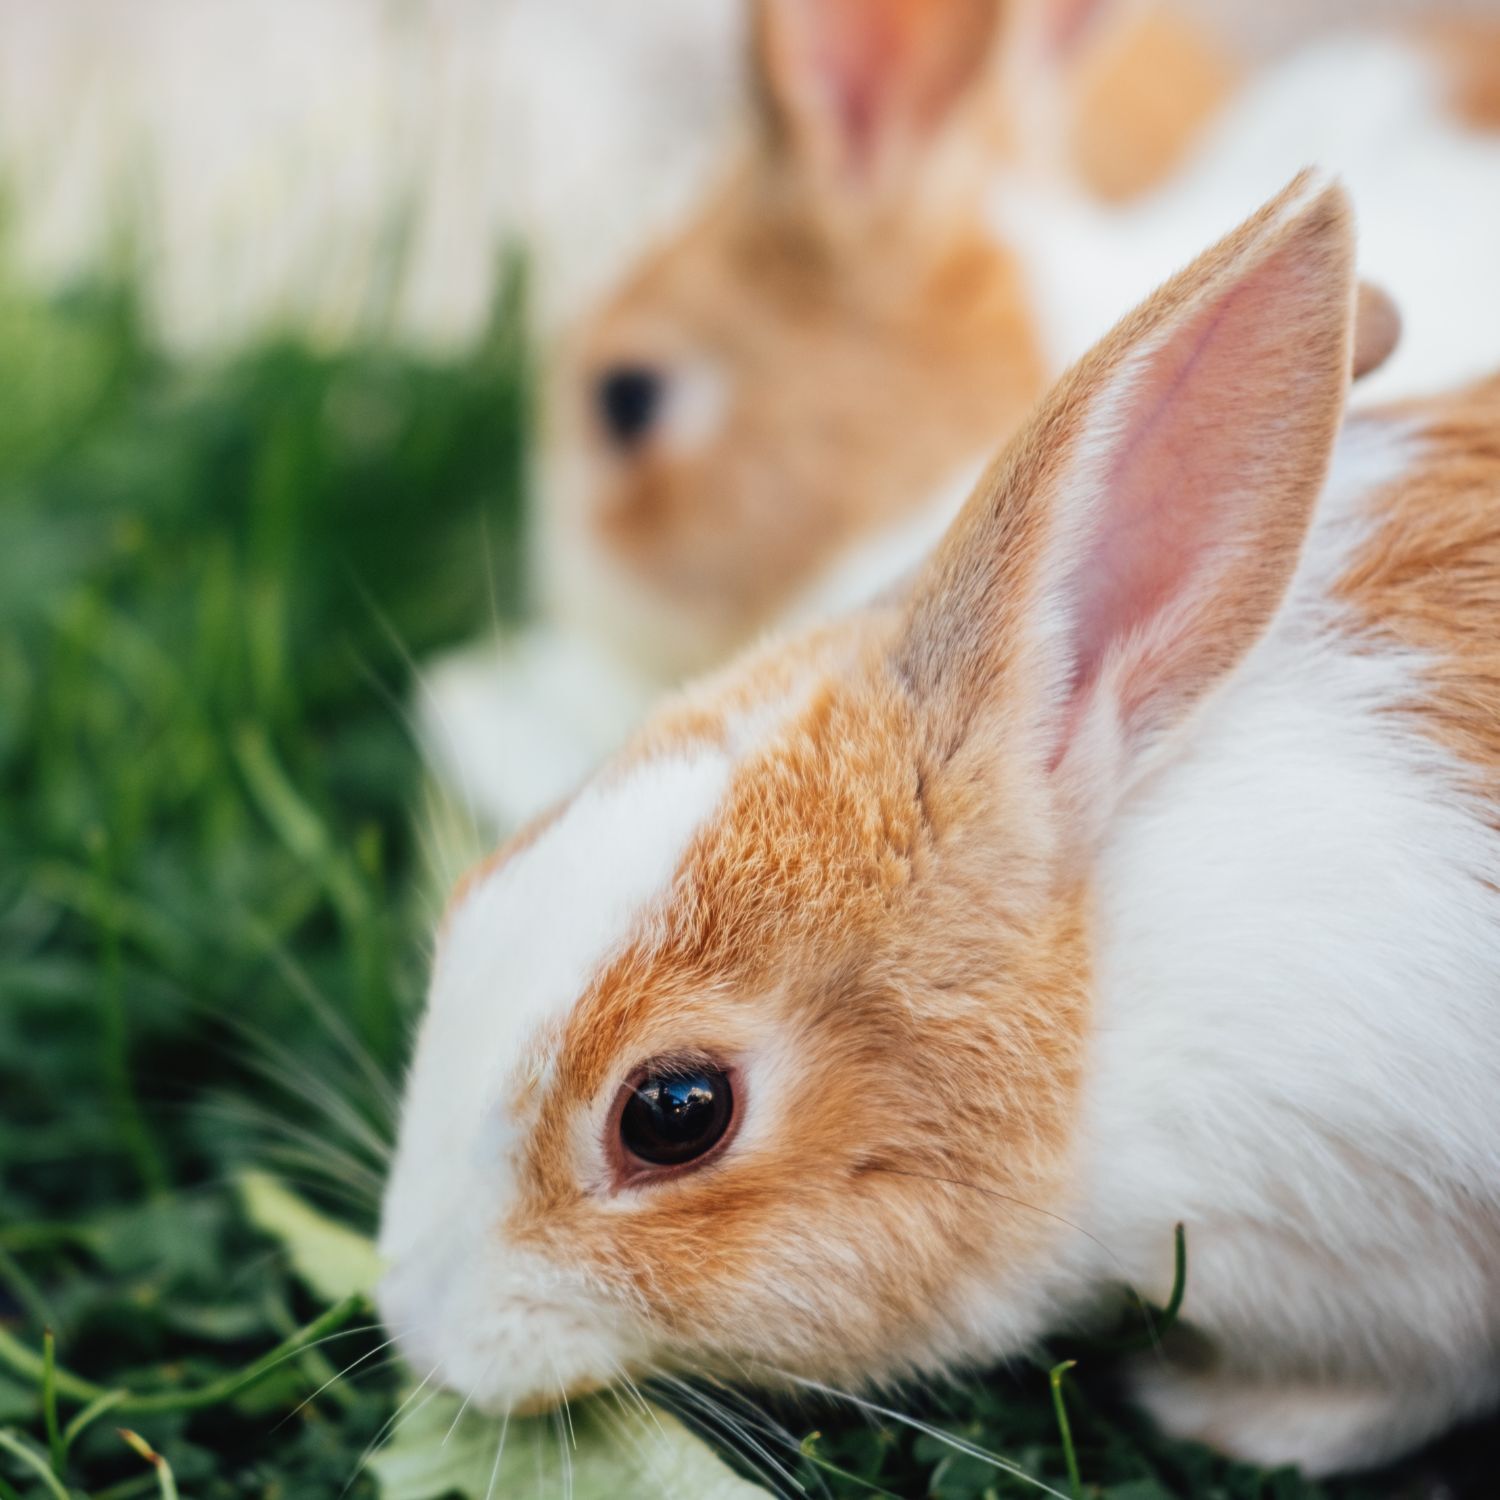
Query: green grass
{"x": 212, "y": 934}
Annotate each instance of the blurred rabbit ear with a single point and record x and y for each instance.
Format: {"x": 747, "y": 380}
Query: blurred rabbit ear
{"x": 1136, "y": 539}
{"x": 1377, "y": 329}
{"x": 851, "y": 86}
{"x": 1063, "y": 29}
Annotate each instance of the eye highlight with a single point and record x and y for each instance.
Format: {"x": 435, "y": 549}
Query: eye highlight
{"x": 674, "y": 1115}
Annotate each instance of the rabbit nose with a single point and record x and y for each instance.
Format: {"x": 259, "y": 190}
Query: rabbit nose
{"x": 629, "y": 399}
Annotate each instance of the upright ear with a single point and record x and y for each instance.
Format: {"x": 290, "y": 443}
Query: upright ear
{"x": 1135, "y": 540}
{"x": 1377, "y": 329}
{"x": 854, "y": 88}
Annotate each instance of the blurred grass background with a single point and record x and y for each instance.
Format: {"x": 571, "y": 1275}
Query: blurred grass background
{"x": 211, "y": 576}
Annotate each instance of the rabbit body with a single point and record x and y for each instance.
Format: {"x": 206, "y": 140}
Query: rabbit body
{"x": 1298, "y": 1022}
{"x": 1133, "y": 863}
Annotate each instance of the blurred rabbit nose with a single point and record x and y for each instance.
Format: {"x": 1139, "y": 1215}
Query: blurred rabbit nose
{"x": 629, "y": 399}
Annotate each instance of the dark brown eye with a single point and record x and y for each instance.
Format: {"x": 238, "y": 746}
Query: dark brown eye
{"x": 629, "y": 399}
{"x": 676, "y": 1116}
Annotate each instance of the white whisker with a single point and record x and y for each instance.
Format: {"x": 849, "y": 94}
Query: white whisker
{"x": 463, "y": 1405}
{"x": 332, "y": 1379}
{"x": 958, "y": 1444}
{"x": 388, "y": 1428}
{"x": 499, "y": 1453}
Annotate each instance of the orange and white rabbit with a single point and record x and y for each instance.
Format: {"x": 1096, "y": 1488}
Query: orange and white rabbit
{"x": 838, "y": 334}
{"x": 787, "y": 400}
{"x": 892, "y": 994}
{"x": 756, "y": 421}
{"x": 780, "y": 410}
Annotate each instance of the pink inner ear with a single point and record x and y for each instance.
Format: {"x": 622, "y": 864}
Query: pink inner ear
{"x": 1066, "y": 24}
{"x": 1187, "y": 484}
{"x": 1157, "y": 518}
{"x": 876, "y": 70}
{"x": 857, "y": 60}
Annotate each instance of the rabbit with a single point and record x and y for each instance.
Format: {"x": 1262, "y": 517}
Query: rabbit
{"x": 744, "y": 431}
{"x": 837, "y": 335}
{"x": 807, "y": 378}
{"x": 893, "y": 992}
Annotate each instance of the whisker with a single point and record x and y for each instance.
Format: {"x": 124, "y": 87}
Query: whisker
{"x": 323, "y": 1011}
{"x": 277, "y": 1063}
{"x": 339, "y": 1109}
{"x": 952, "y": 1440}
{"x": 241, "y": 1111}
{"x": 499, "y": 1453}
{"x": 562, "y": 1452}
{"x": 388, "y": 1427}
{"x": 317, "y": 1178}
{"x": 299, "y": 1169}
{"x": 629, "y": 1433}
{"x": 718, "y": 1413}
{"x": 332, "y": 1379}
{"x": 463, "y": 1405}
{"x": 642, "y": 1404}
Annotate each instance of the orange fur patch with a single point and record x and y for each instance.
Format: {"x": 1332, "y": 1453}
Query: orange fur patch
{"x": 1429, "y": 578}
{"x": 850, "y": 905}
{"x": 860, "y": 370}
{"x": 1143, "y": 99}
{"x": 1469, "y": 53}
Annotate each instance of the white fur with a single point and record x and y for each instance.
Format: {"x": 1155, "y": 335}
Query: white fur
{"x": 1369, "y": 109}
{"x": 697, "y": 403}
{"x": 514, "y": 726}
{"x": 1297, "y": 1041}
{"x": 521, "y": 948}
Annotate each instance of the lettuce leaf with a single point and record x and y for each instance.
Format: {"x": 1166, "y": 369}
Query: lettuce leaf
{"x": 603, "y": 1450}
{"x": 330, "y": 1258}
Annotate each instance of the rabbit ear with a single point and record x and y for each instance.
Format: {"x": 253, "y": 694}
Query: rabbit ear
{"x": 1134, "y": 542}
{"x": 849, "y": 85}
{"x": 1377, "y": 329}
{"x": 1064, "y": 28}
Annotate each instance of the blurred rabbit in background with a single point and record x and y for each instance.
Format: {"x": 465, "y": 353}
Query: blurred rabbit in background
{"x": 832, "y": 333}
{"x": 928, "y": 207}
{"x": 940, "y": 203}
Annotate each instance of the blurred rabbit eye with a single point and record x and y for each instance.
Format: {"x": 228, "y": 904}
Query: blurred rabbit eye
{"x": 674, "y": 1117}
{"x": 629, "y": 398}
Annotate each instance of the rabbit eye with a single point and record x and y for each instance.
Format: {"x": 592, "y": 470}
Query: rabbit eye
{"x": 676, "y": 1116}
{"x": 629, "y": 398}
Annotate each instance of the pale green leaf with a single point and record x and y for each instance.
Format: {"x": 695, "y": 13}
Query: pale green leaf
{"x": 330, "y": 1258}
{"x": 603, "y": 1451}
